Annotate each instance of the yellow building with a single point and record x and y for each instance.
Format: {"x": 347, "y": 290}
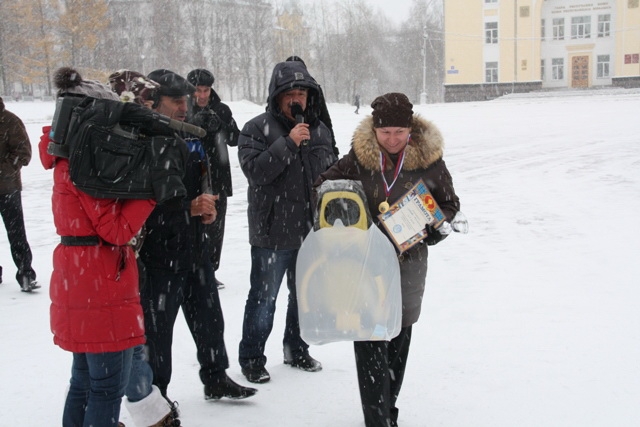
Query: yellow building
{"x": 494, "y": 47}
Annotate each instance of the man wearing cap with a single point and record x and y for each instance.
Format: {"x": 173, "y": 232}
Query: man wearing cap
{"x": 178, "y": 267}
{"x": 281, "y": 152}
{"x": 210, "y": 113}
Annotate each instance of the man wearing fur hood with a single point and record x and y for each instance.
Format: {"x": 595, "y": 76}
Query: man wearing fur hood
{"x": 391, "y": 151}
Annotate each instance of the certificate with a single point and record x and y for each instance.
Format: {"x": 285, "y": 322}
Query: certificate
{"x": 405, "y": 220}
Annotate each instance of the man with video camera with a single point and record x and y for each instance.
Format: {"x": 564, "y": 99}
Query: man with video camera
{"x": 179, "y": 271}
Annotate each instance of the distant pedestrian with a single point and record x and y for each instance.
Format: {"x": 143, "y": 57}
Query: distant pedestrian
{"x": 15, "y": 152}
{"x": 356, "y": 102}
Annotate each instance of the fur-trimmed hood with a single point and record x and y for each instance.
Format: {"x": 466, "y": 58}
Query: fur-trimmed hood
{"x": 425, "y": 147}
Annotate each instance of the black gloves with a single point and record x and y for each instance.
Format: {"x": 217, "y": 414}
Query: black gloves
{"x": 169, "y": 157}
{"x": 433, "y": 236}
{"x": 207, "y": 120}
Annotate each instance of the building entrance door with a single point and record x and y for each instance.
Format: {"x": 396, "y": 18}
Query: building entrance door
{"x": 580, "y": 71}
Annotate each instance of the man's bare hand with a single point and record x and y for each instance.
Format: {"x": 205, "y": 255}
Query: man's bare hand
{"x": 300, "y": 133}
{"x": 205, "y": 206}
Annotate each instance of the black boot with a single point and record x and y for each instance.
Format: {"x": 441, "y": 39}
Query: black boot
{"x": 226, "y": 387}
{"x": 304, "y": 363}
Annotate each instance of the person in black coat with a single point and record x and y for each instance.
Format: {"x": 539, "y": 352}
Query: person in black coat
{"x": 210, "y": 113}
{"x": 281, "y": 151}
{"x": 178, "y": 267}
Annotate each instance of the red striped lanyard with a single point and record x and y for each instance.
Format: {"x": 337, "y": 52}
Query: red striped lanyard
{"x": 396, "y": 173}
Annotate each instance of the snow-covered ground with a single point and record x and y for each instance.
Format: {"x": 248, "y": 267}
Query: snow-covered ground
{"x": 531, "y": 319}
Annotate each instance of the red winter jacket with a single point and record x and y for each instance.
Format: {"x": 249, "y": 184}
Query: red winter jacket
{"x": 95, "y": 301}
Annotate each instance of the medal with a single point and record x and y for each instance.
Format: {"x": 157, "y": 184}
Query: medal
{"x": 384, "y": 206}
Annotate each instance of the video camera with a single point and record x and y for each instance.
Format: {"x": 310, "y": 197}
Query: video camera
{"x": 120, "y": 150}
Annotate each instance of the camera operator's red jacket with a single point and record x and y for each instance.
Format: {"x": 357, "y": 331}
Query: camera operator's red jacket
{"x": 95, "y": 302}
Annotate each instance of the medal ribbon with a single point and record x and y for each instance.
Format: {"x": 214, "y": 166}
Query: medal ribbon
{"x": 396, "y": 173}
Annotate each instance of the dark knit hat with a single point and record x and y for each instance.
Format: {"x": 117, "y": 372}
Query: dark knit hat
{"x": 132, "y": 86}
{"x": 200, "y": 77}
{"x": 171, "y": 84}
{"x": 392, "y": 110}
{"x": 69, "y": 81}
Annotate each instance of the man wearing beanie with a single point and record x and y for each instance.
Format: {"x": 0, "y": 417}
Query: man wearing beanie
{"x": 179, "y": 272}
{"x": 281, "y": 151}
{"x": 391, "y": 151}
{"x": 210, "y": 113}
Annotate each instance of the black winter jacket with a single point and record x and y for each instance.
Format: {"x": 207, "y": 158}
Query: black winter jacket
{"x": 175, "y": 240}
{"x": 222, "y": 131}
{"x": 281, "y": 174}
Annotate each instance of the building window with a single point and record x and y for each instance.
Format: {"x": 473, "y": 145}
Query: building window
{"x": 604, "y": 64}
{"x": 557, "y": 69}
{"x": 491, "y": 72}
{"x": 542, "y": 69}
{"x": 542, "y": 30}
{"x": 604, "y": 25}
{"x": 524, "y": 11}
{"x": 633, "y": 4}
{"x": 491, "y": 32}
{"x": 490, "y": 1}
{"x": 580, "y": 27}
{"x": 558, "y": 28}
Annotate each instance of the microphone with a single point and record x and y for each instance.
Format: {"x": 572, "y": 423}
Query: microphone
{"x": 298, "y": 113}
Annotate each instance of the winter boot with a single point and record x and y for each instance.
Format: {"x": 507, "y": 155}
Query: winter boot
{"x": 226, "y": 387}
{"x": 153, "y": 410}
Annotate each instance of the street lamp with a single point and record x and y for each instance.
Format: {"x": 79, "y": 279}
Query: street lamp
{"x": 423, "y": 95}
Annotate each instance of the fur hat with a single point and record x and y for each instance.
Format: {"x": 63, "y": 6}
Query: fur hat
{"x": 392, "y": 110}
{"x": 133, "y": 86}
{"x": 69, "y": 81}
{"x": 200, "y": 77}
{"x": 171, "y": 84}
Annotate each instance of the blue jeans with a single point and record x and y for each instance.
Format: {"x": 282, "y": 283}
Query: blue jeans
{"x": 98, "y": 381}
{"x": 268, "y": 267}
{"x": 141, "y": 376}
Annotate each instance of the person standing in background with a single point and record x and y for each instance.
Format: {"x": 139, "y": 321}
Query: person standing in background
{"x": 15, "y": 152}
{"x": 211, "y": 114}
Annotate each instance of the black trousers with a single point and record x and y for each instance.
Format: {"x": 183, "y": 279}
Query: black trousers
{"x": 216, "y": 232}
{"x": 381, "y": 366}
{"x": 11, "y": 211}
{"x": 162, "y": 296}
